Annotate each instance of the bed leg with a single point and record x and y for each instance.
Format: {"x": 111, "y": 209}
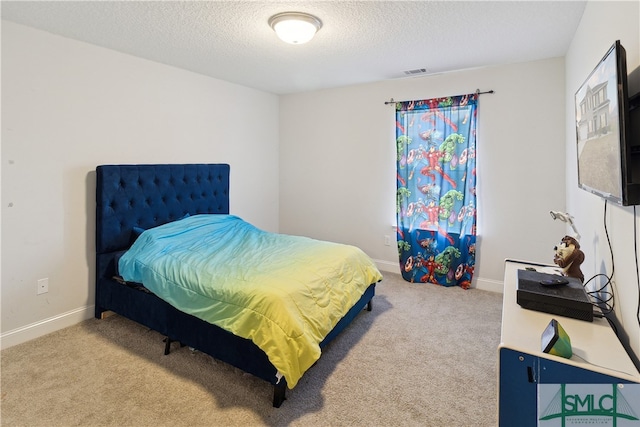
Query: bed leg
{"x": 279, "y": 393}
{"x": 99, "y": 312}
{"x": 167, "y": 345}
{"x": 369, "y": 306}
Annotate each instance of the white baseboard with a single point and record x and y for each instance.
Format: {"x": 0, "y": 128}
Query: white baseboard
{"x": 388, "y": 266}
{"x": 46, "y": 326}
{"x": 489, "y": 285}
{"x": 479, "y": 283}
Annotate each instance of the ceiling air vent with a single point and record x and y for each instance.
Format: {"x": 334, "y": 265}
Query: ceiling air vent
{"x": 415, "y": 72}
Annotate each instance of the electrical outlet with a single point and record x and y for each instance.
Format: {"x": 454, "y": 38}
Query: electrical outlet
{"x": 43, "y": 286}
{"x": 387, "y": 240}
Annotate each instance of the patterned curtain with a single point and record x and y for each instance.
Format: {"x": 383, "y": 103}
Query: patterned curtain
{"x": 436, "y": 198}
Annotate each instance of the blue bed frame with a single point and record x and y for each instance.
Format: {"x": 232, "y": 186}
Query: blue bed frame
{"x": 145, "y": 196}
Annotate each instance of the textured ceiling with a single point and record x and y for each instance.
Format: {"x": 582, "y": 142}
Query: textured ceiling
{"x": 360, "y": 41}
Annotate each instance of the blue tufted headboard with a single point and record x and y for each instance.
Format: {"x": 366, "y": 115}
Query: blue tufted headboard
{"x": 146, "y": 196}
{"x": 149, "y": 195}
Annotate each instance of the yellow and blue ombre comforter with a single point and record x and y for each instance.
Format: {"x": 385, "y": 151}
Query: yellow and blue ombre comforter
{"x": 285, "y": 293}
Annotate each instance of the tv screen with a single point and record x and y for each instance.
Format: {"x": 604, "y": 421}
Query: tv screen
{"x": 602, "y": 116}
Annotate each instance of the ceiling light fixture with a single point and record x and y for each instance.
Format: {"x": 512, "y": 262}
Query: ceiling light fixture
{"x": 295, "y": 27}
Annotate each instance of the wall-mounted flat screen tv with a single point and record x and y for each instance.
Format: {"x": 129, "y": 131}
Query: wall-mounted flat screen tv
{"x": 606, "y": 165}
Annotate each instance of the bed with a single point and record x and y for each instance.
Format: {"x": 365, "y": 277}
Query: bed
{"x": 131, "y": 199}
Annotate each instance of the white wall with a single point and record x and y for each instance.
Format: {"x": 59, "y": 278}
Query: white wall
{"x": 68, "y": 107}
{"x": 602, "y": 24}
{"x": 337, "y": 162}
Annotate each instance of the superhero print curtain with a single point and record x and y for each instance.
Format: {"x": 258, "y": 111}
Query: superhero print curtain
{"x": 436, "y": 189}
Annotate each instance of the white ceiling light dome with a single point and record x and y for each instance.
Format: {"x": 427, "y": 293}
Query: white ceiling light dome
{"x": 295, "y": 27}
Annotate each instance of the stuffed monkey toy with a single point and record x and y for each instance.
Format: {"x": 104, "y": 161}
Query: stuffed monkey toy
{"x": 568, "y": 256}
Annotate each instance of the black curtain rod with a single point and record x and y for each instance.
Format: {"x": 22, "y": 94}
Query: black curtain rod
{"x": 391, "y": 101}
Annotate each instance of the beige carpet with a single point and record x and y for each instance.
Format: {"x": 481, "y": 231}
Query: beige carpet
{"x": 425, "y": 356}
